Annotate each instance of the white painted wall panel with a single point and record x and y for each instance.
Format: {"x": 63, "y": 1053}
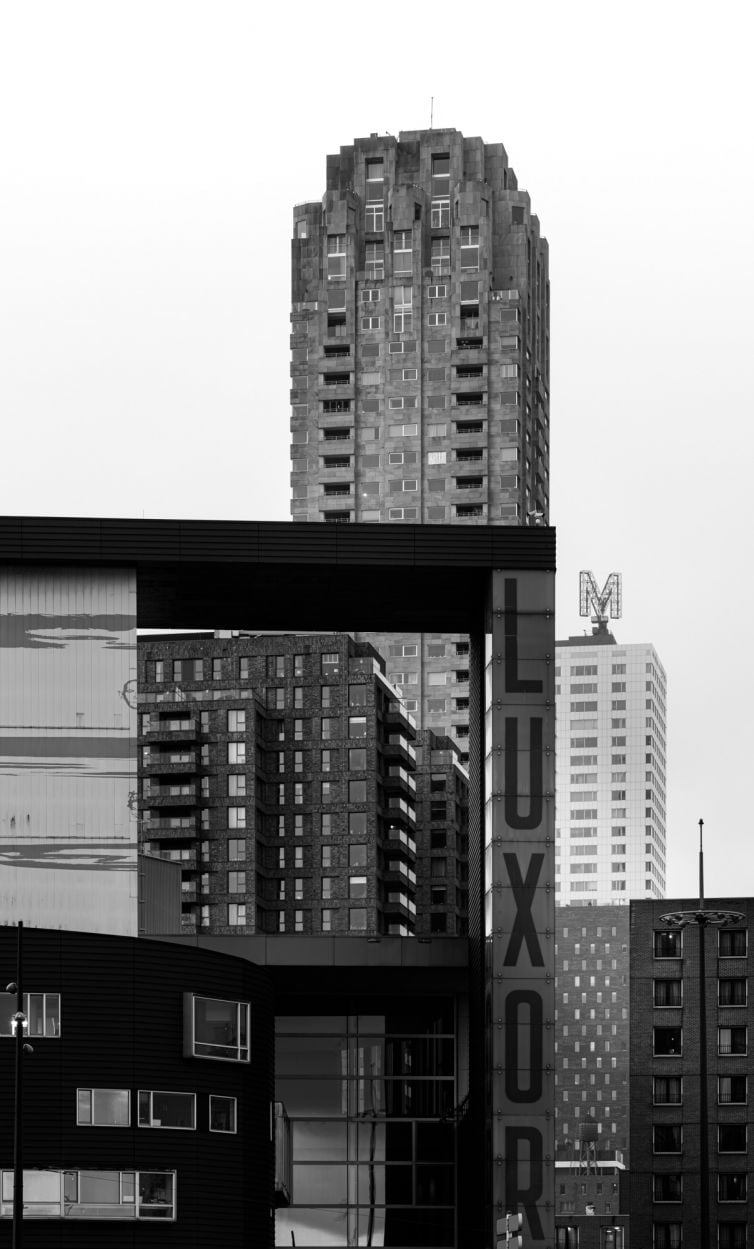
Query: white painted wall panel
{"x": 68, "y": 835}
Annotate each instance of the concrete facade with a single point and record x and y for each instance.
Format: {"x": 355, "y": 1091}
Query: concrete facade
{"x": 420, "y": 360}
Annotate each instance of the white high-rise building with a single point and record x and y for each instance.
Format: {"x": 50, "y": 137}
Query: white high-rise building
{"x": 610, "y": 792}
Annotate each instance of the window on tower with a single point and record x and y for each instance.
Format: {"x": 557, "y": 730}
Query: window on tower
{"x": 374, "y": 263}
{"x": 336, "y": 256}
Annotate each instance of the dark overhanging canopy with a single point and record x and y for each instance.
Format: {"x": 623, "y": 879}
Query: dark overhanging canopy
{"x": 282, "y": 575}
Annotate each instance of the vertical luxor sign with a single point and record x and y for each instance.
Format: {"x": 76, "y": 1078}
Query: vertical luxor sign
{"x": 520, "y": 896}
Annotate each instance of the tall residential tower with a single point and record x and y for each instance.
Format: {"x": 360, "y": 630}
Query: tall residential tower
{"x": 610, "y": 794}
{"x": 420, "y": 361}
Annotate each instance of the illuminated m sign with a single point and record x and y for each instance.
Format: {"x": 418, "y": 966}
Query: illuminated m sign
{"x": 601, "y": 603}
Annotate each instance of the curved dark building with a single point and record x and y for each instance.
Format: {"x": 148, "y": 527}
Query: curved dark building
{"x": 147, "y": 1098}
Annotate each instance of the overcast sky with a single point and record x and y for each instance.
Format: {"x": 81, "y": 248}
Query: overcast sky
{"x": 150, "y": 156}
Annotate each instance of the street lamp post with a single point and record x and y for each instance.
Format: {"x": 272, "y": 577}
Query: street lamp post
{"x": 21, "y": 1047}
{"x": 703, "y": 918}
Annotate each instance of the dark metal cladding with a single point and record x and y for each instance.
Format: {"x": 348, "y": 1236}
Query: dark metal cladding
{"x": 192, "y": 573}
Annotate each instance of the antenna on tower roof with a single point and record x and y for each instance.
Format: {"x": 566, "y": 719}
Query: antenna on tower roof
{"x": 431, "y": 110}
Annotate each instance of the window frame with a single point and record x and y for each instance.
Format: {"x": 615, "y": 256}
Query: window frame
{"x": 223, "y": 1097}
{"x": 92, "y": 1122}
{"x": 243, "y": 1028}
{"x": 168, "y": 1127}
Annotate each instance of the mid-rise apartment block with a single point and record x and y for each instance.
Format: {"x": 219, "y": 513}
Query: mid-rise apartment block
{"x": 420, "y": 359}
{"x": 592, "y": 1076}
{"x": 690, "y": 1135}
{"x": 284, "y": 775}
{"x": 610, "y": 794}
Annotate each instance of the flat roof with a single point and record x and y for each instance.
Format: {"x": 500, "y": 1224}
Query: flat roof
{"x": 282, "y": 574}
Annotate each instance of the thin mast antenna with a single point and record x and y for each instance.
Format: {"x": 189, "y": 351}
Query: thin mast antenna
{"x": 701, "y": 867}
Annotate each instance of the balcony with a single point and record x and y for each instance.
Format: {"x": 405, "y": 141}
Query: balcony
{"x": 172, "y": 729}
{"x": 171, "y": 795}
{"x": 397, "y": 779}
{"x": 396, "y": 714}
{"x": 397, "y": 744}
{"x": 400, "y": 842}
{"x": 170, "y": 761}
{"x": 180, "y": 825}
{"x": 397, "y": 899}
{"x": 396, "y": 867}
{"x": 399, "y": 809}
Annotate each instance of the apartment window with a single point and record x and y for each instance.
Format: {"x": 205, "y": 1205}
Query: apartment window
{"x": 402, "y": 314}
{"x": 731, "y": 1186}
{"x": 437, "y": 318}
{"x": 441, "y": 173}
{"x": 357, "y": 887}
{"x": 371, "y": 323}
{"x": 731, "y": 992}
{"x": 731, "y": 942}
{"x": 236, "y": 848}
{"x": 159, "y": 670}
{"x": 92, "y": 1194}
{"x": 566, "y": 1237}
{"x": 731, "y": 1138}
{"x": 236, "y": 752}
{"x": 105, "y": 1108}
{"x": 440, "y": 260}
{"x": 236, "y": 784}
{"x": 357, "y": 726}
{"x": 668, "y": 1042}
{"x": 667, "y": 1138}
{"x": 222, "y": 1113}
{"x": 236, "y": 817}
{"x": 326, "y": 919}
{"x": 215, "y": 1028}
{"x": 667, "y": 1090}
{"x": 357, "y": 919}
{"x": 236, "y": 882}
{"x": 731, "y": 1236}
{"x": 732, "y": 1090}
{"x": 236, "y": 914}
{"x": 328, "y": 728}
{"x": 375, "y": 178}
{"x": 666, "y": 1236}
{"x": 437, "y": 431}
{"x": 440, "y": 213}
{"x": 374, "y": 218}
{"x": 668, "y": 944}
{"x": 42, "y": 1012}
{"x": 327, "y": 883}
{"x": 438, "y": 292}
{"x": 336, "y": 256}
{"x": 470, "y": 248}
{"x": 374, "y": 262}
{"x": 666, "y": 992}
{"x": 357, "y": 791}
{"x": 357, "y": 855}
{"x": 667, "y": 1187}
{"x": 402, "y": 252}
{"x": 357, "y": 760}
{"x": 158, "y": 1109}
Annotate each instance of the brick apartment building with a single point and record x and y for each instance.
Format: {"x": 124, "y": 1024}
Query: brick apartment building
{"x": 667, "y": 1052}
{"x": 284, "y": 775}
{"x": 592, "y": 1068}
